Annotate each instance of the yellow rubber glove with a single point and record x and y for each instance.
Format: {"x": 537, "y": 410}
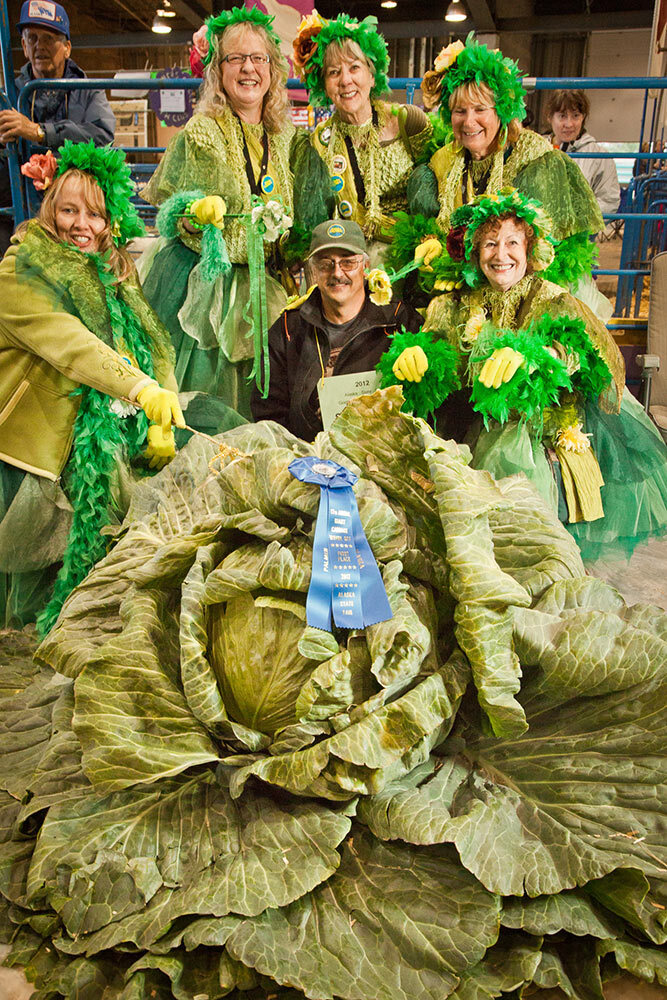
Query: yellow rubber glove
{"x": 428, "y": 251}
{"x": 160, "y": 406}
{"x": 210, "y": 209}
{"x": 410, "y": 365}
{"x": 161, "y": 447}
{"x": 500, "y": 367}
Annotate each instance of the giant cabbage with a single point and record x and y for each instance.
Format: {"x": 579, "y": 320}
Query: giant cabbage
{"x": 202, "y": 797}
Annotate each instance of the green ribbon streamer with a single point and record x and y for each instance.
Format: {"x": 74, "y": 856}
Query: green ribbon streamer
{"x": 256, "y": 311}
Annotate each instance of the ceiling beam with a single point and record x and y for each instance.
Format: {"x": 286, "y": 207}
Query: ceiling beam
{"x": 424, "y": 29}
{"x": 192, "y": 11}
{"x": 566, "y": 24}
{"x": 480, "y": 13}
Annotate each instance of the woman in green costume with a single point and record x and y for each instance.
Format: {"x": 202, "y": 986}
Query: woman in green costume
{"x": 81, "y": 352}
{"x": 481, "y": 105}
{"x": 548, "y": 379}
{"x": 235, "y": 147}
{"x": 359, "y": 160}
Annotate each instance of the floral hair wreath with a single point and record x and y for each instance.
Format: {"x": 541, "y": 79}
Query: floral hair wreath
{"x": 237, "y": 15}
{"x": 316, "y": 33}
{"x": 475, "y": 63}
{"x": 467, "y": 219}
{"x": 107, "y": 165}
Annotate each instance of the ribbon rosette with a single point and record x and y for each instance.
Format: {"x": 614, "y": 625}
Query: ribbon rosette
{"x": 345, "y": 578}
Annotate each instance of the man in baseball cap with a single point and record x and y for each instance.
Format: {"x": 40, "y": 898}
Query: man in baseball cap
{"x": 55, "y": 115}
{"x": 335, "y": 329}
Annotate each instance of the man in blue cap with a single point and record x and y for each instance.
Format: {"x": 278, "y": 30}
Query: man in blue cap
{"x": 55, "y": 115}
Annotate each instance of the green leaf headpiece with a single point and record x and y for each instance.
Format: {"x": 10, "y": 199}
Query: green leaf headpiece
{"x": 476, "y": 63}
{"x": 316, "y": 39}
{"x": 506, "y": 202}
{"x": 112, "y": 173}
{"x": 237, "y": 15}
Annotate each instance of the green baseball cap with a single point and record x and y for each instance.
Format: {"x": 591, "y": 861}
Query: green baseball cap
{"x": 337, "y": 234}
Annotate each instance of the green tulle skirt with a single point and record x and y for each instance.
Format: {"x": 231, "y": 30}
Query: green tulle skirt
{"x": 633, "y": 461}
{"x": 207, "y": 321}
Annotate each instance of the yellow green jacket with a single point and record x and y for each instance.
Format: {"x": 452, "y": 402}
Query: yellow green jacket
{"x": 45, "y": 353}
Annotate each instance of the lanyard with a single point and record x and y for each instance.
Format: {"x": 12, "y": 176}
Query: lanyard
{"x": 255, "y": 185}
{"x": 354, "y": 163}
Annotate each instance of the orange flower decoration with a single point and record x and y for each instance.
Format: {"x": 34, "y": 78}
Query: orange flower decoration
{"x": 304, "y": 45}
{"x": 41, "y": 167}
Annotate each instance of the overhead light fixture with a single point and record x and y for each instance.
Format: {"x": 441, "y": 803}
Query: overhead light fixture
{"x": 455, "y": 11}
{"x": 166, "y": 13}
{"x": 160, "y": 26}
{"x": 389, "y": 3}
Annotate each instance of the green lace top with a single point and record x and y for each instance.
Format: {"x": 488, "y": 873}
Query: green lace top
{"x": 207, "y": 155}
{"x": 384, "y": 167}
{"x": 534, "y": 167}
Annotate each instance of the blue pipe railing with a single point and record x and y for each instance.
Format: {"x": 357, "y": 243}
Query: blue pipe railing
{"x": 408, "y": 84}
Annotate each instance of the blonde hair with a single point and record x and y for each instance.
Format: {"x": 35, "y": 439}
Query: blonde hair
{"x": 480, "y": 93}
{"x": 346, "y": 48}
{"x": 212, "y": 100}
{"x": 119, "y": 260}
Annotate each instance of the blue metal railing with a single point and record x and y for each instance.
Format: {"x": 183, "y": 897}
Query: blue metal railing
{"x": 645, "y": 229}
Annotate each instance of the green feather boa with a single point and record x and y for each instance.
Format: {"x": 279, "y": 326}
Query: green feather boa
{"x": 537, "y": 384}
{"x": 574, "y": 257}
{"x": 99, "y": 433}
{"x": 439, "y": 380}
{"x": 214, "y": 256}
{"x": 593, "y": 375}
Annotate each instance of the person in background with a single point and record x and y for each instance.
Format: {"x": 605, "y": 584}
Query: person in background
{"x": 55, "y": 115}
{"x": 336, "y": 329}
{"x": 567, "y": 113}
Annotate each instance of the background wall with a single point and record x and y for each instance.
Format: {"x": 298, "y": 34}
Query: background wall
{"x": 616, "y": 115}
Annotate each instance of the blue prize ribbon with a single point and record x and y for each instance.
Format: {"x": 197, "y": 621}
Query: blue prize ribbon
{"x": 345, "y": 581}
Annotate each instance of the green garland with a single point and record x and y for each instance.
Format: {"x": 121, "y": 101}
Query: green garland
{"x": 237, "y": 15}
{"x": 534, "y": 386}
{"x": 98, "y": 435}
{"x": 369, "y": 40}
{"x": 575, "y": 256}
{"x": 215, "y": 260}
{"x": 439, "y": 380}
{"x": 479, "y": 64}
{"x": 593, "y": 375}
{"x": 112, "y": 173}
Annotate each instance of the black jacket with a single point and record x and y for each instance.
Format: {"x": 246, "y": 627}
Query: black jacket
{"x": 295, "y": 364}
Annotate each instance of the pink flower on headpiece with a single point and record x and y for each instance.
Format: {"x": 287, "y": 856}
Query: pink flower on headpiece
{"x": 198, "y": 51}
{"x": 41, "y": 167}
